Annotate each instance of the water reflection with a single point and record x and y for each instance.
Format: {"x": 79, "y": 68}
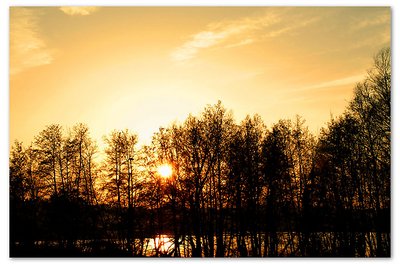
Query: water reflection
{"x": 162, "y": 244}
{"x": 272, "y": 244}
{"x": 325, "y": 244}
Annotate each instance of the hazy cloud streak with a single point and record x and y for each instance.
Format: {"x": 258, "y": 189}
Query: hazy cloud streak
{"x": 237, "y": 33}
{"x": 79, "y": 10}
{"x": 240, "y": 43}
{"x": 338, "y": 82}
{"x": 378, "y": 20}
{"x": 218, "y": 33}
{"x": 291, "y": 27}
{"x": 27, "y": 48}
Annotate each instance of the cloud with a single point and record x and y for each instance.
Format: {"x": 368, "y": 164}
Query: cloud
{"x": 79, "y": 10}
{"x": 201, "y": 40}
{"x": 240, "y": 43}
{"x": 338, "y": 82}
{"x": 218, "y": 33}
{"x": 382, "y": 19}
{"x": 291, "y": 27}
{"x": 236, "y": 33}
{"x": 27, "y": 48}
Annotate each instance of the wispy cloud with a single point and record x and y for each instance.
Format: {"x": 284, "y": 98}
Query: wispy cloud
{"x": 199, "y": 41}
{"x": 377, "y": 20}
{"x": 79, "y": 10}
{"x": 240, "y": 43}
{"x": 27, "y": 48}
{"x": 291, "y": 27}
{"x": 218, "y": 33}
{"x": 338, "y": 82}
{"x": 236, "y": 33}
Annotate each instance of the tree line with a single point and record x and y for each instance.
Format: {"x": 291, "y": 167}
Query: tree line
{"x": 236, "y": 189}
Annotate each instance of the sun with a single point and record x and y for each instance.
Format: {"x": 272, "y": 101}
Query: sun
{"x": 165, "y": 170}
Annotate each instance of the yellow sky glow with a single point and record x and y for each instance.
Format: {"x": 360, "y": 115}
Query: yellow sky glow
{"x": 144, "y": 67}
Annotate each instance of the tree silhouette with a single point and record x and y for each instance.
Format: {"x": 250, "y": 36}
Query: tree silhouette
{"x": 236, "y": 189}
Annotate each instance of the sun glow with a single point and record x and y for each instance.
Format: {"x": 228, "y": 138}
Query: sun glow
{"x": 163, "y": 243}
{"x": 165, "y": 170}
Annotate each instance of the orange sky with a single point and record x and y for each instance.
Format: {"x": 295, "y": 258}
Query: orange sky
{"x": 143, "y": 67}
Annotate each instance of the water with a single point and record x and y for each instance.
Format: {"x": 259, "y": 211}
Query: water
{"x": 279, "y": 244}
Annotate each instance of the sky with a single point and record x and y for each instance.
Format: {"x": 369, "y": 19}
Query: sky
{"x": 144, "y": 67}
